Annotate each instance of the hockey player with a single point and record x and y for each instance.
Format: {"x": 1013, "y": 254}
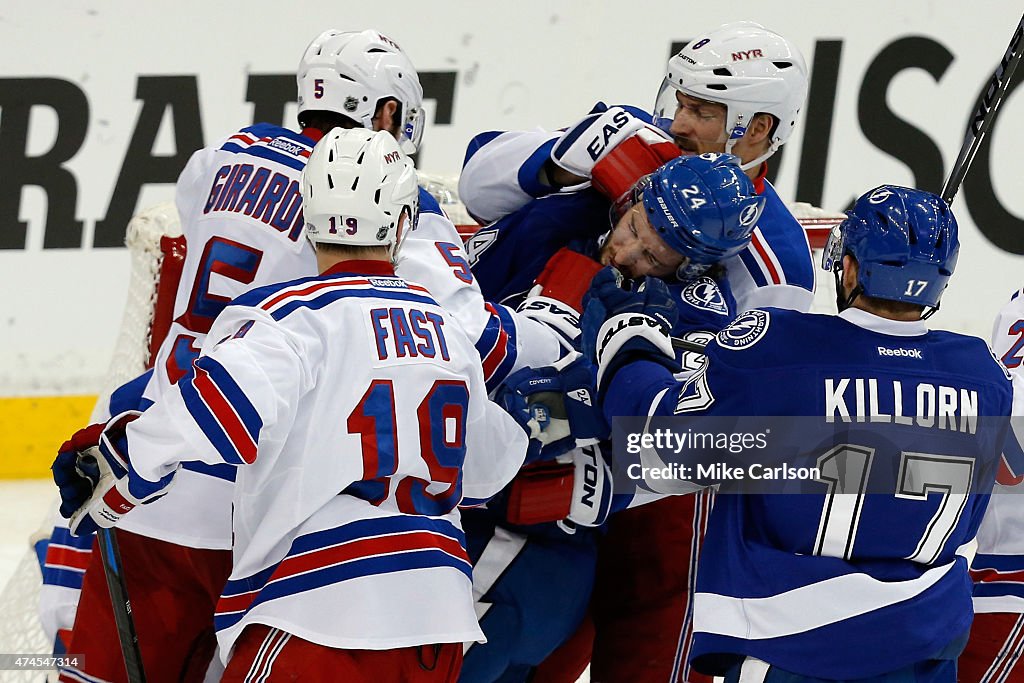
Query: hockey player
{"x": 710, "y": 101}
{"x": 682, "y": 221}
{"x": 346, "y": 567}
{"x": 787, "y": 591}
{"x": 994, "y": 651}
{"x": 239, "y": 202}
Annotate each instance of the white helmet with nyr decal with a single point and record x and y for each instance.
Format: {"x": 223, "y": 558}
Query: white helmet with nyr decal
{"x": 356, "y": 188}
{"x": 746, "y": 67}
{"x": 351, "y": 73}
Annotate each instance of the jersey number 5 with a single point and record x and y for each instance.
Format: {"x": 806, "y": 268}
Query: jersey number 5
{"x": 224, "y": 258}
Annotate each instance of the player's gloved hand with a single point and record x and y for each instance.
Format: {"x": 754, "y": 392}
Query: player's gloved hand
{"x": 639, "y": 154}
{"x": 116, "y": 488}
{"x": 622, "y": 325}
{"x": 557, "y": 295}
{"x": 555, "y": 406}
{"x": 591, "y": 488}
{"x": 587, "y": 141}
{"x": 76, "y": 480}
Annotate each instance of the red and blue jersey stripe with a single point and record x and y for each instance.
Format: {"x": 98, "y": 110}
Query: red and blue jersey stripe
{"x": 364, "y": 548}
{"x": 273, "y": 143}
{"x": 67, "y": 557}
{"x": 998, "y": 576}
{"x": 315, "y": 293}
{"x": 497, "y": 346}
{"x": 222, "y": 410}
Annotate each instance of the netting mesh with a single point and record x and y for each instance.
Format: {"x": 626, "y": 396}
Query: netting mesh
{"x": 20, "y": 631}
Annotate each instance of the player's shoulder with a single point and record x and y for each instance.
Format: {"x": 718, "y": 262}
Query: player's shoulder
{"x": 776, "y": 218}
{"x": 270, "y": 142}
{"x": 704, "y": 304}
{"x": 971, "y": 355}
{"x": 772, "y": 336}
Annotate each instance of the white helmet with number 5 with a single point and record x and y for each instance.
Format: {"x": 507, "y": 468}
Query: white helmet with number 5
{"x": 746, "y": 67}
{"x": 349, "y": 73}
{"x": 356, "y": 188}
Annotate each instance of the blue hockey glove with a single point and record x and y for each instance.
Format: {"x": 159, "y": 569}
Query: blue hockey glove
{"x": 620, "y": 325}
{"x": 555, "y": 405}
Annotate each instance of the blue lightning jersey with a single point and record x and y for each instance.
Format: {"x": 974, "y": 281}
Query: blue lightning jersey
{"x": 859, "y": 584}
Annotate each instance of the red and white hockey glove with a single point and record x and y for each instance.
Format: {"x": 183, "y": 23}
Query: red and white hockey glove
{"x": 587, "y": 141}
{"x": 575, "y": 490}
{"x": 556, "y": 297}
{"x": 643, "y": 152}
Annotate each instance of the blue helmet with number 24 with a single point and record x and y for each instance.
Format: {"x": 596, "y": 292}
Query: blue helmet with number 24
{"x": 905, "y": 242}
{"x": 704, "y": 207}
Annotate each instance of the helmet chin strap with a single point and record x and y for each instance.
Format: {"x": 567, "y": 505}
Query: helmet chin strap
{"x": 843, "y": 303}
{"x": 731, "y": 142}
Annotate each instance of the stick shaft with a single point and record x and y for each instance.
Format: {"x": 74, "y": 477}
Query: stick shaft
{"x": 985, "y": 114}
{"x": 126, "y": 634}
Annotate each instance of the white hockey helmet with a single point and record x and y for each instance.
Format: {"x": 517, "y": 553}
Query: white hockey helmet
{"x": 355, "y": 189}
{"x": 746, "y": 67}
{"x": 351, "y": 72}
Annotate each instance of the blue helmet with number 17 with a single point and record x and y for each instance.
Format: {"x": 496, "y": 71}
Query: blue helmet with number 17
{"x": 905, "y": 242}
{"x": 704, "y": 207}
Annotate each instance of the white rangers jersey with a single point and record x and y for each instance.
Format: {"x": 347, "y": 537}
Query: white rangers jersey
{"x": 240, "y": 208}
{"x": 355, "y": 409}
{"x": 998, "y": 566}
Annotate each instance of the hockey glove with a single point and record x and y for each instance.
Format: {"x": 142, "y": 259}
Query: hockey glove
{"x": 556, "y": 298}
{"x": 555, "y": 406}
{"x": 591, "y": 487}
{"x": 624, "y": 325}
{"x": 638, "y": 155}
{"x": 76, "y": 480}
{"x": 588, "y": 140}
{"x": 116, "y": 488}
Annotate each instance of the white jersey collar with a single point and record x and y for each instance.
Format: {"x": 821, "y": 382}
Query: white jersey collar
{"x": 875, "y": 323}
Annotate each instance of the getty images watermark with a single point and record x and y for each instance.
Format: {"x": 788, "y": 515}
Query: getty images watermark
{"x": 688, "y": 441}
{"x": 816, "y": 455}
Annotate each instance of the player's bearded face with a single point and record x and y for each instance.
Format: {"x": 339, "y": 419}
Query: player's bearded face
{"x": 698, "y": 125}
{"x": 636, "y": 250}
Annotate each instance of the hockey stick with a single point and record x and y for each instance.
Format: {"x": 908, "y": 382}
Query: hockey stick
{"x": 129, "y": 640}
{"x": 683, "y": 345}
{"x": 983, "y": 116}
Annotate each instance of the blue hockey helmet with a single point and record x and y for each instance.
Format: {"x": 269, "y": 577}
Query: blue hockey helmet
{"x": 704, "y": 207}
{"x": 905, "y": 242}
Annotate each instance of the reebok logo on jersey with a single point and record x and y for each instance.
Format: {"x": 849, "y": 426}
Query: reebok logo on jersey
{"x": 901, "y": 353}
{"x": 287, "y": 146}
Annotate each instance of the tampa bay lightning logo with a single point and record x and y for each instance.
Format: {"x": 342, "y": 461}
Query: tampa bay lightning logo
{"x": 749, "y": 215}
{"x": 704, "y": 293}
{"x": 880, "y": 196}
{"x": 745, "y": 331}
